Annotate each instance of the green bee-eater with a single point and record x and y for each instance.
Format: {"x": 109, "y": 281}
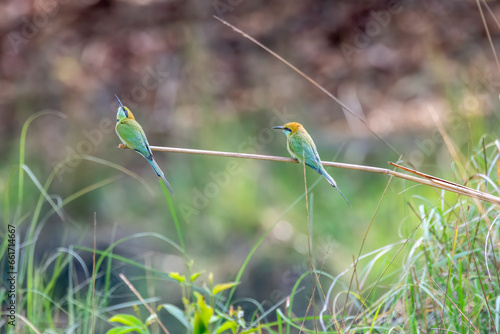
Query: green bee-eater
{"x": 301, "y": 147}
{"x": 132, "y": 136}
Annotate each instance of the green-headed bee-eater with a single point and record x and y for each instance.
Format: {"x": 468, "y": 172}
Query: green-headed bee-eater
{"x": 301, "y": 147}
{"x": 132, "y": 136}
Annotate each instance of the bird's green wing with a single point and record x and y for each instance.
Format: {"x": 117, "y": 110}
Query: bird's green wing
{"x": 307, "y": 150}
{"x": 133, "y": 136}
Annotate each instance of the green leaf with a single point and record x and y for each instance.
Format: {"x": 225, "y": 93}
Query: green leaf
{"x": 203, "y": 310}
{"x": 176, "y": 313}
{"x": 125, "y": 330}
{"x": 196, "y": 275}
{"x": 224, "y": 286}
{"x": 128, "y": 320}
{"x": 199, "y": 327}
{"x": 178, "y": 277}
{"x": 213, "y": 318}
{"x": 252, "y": 330}
{"x": 232, "y": 325}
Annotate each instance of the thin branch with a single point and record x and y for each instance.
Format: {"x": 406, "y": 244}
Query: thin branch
{"x": 479, "y": 278}
{"x": 488, "y": 32}
{"x": 153, "y": 313}
{"x": 362, "y": 245}
{"x": 311, "y": 266}
{"x": 383, "y": 273}
{"x": 308, "y": 78}
{"x": 422, "y": 179}
{"x": 451, "y": 301}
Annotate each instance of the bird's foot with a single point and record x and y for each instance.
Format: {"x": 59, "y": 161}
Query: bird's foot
{"x": 122, "y": 146}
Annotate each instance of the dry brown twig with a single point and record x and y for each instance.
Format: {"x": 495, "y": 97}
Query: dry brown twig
{"x": 153, "y": 313}
{"x": 308, "y": 78}
{"x": 421, "y": 178}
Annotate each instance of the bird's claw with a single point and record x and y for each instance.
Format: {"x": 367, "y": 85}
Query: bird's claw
{"x": 122, "y": 146}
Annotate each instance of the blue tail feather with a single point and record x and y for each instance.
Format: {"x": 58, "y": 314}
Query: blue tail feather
{"x": 332, "y": 182}
{"x": 159, "y": 172}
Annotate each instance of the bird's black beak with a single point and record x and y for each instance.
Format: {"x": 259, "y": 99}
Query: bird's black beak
{"x": 279, "y": 127}
{"x": 119, "y": 102}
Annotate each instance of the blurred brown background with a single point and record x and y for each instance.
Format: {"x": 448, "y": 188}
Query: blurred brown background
{"x": 193, "y": 82}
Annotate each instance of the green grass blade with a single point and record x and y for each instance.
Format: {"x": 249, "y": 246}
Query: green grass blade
{"x": 22, "y": 152}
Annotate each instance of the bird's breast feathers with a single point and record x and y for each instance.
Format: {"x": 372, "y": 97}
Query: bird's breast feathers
{"x": 133, "y": 136}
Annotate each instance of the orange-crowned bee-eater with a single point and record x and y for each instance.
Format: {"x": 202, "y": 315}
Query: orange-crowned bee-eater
{"x": 301, "y": 147}
{"x": 132, "y": 136}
